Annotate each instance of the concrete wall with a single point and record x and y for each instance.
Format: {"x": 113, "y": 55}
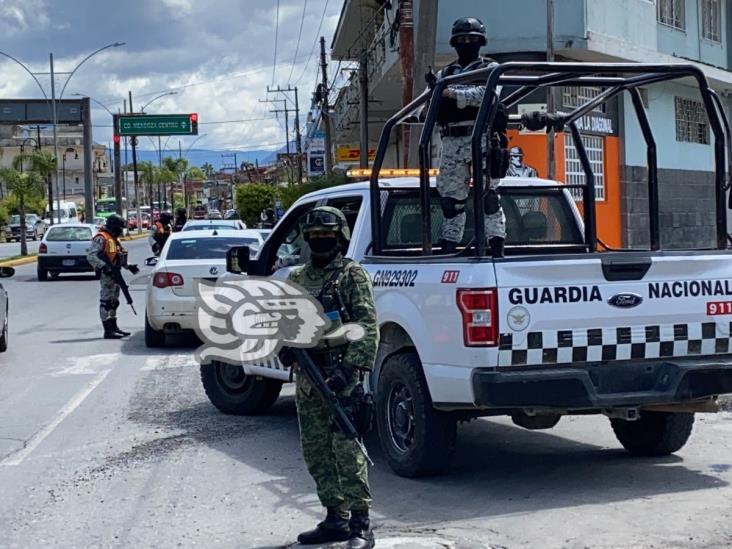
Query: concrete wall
{"x": 686, "y": 206}
{"x": 661, "y": 112}
{"x": 632, "y": 21}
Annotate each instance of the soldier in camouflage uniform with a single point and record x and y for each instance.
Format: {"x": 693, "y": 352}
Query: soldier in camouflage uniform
{"x": 105, "y": 255}
{"x": 335, "y": 462}
{"x": 457, "y": 114}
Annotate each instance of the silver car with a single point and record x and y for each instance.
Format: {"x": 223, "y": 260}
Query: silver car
{"x": 5, "y": 272}
{"x": 34, "y": 228}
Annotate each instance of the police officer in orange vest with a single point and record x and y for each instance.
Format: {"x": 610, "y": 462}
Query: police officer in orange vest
{"x": 107, "y": 255}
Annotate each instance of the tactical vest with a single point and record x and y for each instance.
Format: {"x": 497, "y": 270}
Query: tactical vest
{"x": 449, "y": 112}
{"x": 112, "y": 248}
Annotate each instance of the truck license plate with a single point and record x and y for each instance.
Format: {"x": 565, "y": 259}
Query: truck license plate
{"x": 68, "y": 262}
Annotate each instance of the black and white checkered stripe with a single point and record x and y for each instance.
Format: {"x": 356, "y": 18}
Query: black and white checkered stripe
{"x": 617, "y": 343}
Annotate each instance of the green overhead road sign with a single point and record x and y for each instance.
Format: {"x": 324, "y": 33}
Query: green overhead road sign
{"x": 159, "y": 124}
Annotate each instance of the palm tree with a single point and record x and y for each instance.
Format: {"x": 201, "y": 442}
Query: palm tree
{"x": 178, "y": 167}
{"x": 23, "y": 186}
{"x": 208, "y": 170}
{"x": 149, "y": 176}
{"x": 45, "y": 165}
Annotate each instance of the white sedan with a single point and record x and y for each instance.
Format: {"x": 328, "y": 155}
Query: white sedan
{"x": 218, "y": 224}
{"x": 63, "y": 250}
{"x": 187, "y": 258}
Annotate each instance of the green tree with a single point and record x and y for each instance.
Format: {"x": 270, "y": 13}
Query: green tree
{"x": 208, "y": 170}
{"x": 148, "y": 176}
{"x": 23, "y": 186}
{"x": 252, "y": 198}
{"x": 195, "y": 174}
{"x": 45, "y": 165}
{"x": 291, "y": 193}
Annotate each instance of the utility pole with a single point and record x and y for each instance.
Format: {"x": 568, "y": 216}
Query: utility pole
{"x": 55, "y": 140}
{"x": 424, "y": 59}
{"x": 363, "y": 84}
{"x": 117, "y": 165}
{"x": 287, "y": 127}
{"x": 551, "y": 106}
{"x": 133, "y": 143}
{"x": 406, "y": 54}
{"x": 298, "y": 135}
{"x": 325, "y": 110}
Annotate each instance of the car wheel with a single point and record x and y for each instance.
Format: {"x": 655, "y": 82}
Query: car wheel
{"x": 655, "y": 433}
{"x": 42, "y": 273}
{"x": 416, "y": 439}
{"x": 236, "y": 393}
{"x": 153, "y": 338}
{"x": 4, "y": 335}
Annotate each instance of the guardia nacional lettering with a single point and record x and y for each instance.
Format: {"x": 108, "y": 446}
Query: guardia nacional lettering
{"x": 689, "y": 288}
{"x": 556, "y": 294}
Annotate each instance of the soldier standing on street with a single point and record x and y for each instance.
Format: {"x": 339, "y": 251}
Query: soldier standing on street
{"x": 159, "y": 232}
{"x": 335, "y": 462}
{"x": 517, "y": 168}
{"x": 456, "y": 116}
{"x": 105, "y": 255}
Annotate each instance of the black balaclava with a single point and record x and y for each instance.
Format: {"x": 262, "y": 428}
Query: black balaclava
{"x": 323, "y": 250}
{"x": 467, "y": 53}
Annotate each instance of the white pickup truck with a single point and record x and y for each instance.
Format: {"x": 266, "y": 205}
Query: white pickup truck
{"x": 558, "y": 326}
{"x": 534, "y": 337}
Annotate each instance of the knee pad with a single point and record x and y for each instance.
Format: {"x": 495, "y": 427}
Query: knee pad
{"x": 451, "y": 207}
{"x": 105, "y": 304}
{"x": 491, "y": 202}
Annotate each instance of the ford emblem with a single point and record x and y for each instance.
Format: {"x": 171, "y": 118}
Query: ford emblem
{"x": 213, "y": 271}
{"x": 625, "y": 301}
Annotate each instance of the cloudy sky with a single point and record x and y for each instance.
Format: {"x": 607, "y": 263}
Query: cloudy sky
{"x": 218, "y": 55}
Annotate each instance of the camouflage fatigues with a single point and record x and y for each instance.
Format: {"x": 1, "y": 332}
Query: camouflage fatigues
{"x": 109, "y": 292}
{"x": 338, "y": 467}
{"x": 454, "y": 178}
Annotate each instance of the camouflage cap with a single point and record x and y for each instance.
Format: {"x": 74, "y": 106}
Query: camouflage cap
{"x": 326, "y": 218}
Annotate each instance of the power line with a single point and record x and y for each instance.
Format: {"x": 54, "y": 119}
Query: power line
{"x": 315, "y": 43}
{"x": 277, "y": 31}
{"x": 299, "y": 37}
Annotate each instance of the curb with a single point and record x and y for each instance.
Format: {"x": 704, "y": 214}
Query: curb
{"x": 18, "y": 262}
{"x": 144, "y": 234}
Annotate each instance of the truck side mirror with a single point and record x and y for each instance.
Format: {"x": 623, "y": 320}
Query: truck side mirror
{"x": 238, "y": 260}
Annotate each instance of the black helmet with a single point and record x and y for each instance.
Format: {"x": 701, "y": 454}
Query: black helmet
{"x": 468, "y": 26}
{"x": 166, "y": 217}
{"x": 115, "y": 224}
{"x": 327, "y": 218}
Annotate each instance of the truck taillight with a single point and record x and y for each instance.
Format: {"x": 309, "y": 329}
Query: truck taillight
{"x": 479, "y": 309}
{"x": 43, "y": 249}
{"x": 165, "y": 280}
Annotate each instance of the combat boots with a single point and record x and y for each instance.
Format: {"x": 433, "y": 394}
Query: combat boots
{"x": 109, "y": 331}
{"x": 116, "y": 329}
{"x": 333, "y": 528}
{"x": 362, "y": 537}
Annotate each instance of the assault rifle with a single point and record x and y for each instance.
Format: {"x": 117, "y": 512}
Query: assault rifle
{"x": 116, "y": 274}
{"x": 341, "y": 418}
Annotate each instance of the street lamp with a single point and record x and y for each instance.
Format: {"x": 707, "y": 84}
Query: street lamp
{"x": 142, "y": 109}
{"x": 95, "y": 101}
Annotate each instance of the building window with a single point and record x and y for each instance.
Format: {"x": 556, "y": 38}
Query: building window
{"x": 575, "y": 175}
{"x": 576, "y": 96}
{"x": 711, "y": 11}
{"x": 691, "y": 121}
{"x": 671, "y": 13}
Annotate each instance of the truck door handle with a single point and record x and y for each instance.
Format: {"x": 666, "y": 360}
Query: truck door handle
{"x": 631, "y": 267}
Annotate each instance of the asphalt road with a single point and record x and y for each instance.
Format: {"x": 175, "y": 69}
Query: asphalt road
{"x": 106, "y": 444}
{"x": 10, "y": 249}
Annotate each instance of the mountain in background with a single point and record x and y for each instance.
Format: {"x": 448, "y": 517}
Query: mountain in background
{"x": 198, "y": 157}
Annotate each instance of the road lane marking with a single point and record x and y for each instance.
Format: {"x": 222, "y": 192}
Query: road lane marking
{"x": 87, "y": 364}
{"x": 17, "y": 457}
{"x": 165, "y": 362}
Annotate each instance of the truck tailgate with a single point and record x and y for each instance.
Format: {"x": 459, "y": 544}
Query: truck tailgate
{"x": 608, "y": 307}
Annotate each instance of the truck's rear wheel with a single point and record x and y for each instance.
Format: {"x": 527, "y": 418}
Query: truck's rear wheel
{"x": 233, "y": 392}
{"x": 655, "y": 433}
{"x": 416, "y": 439}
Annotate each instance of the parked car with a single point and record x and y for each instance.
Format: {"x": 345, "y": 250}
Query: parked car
{"x": 63, "y": 212}
{"x": 34, "y": 228}
{"x": 231, "y": 214}
{"x": 63, "y": 250}
{"x": 99, "y": 222}
{"x": 214, "y": 214}
{"x": 5, "y": 272}
{"x": 217, "y": 224}
{"x": 186, "y": 258}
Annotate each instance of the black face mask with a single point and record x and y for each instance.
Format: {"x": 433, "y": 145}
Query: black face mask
{"x": 323, "y": 250}
{"x": 467, "y": 53}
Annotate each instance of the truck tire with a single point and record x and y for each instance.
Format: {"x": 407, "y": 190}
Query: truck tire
{"x": 236, "y": 393}
{"x": 416, "y": 439}
{"x": 655, "y": 433}
{"x": 42, "y": 273}
{"x": 153, "y": 338}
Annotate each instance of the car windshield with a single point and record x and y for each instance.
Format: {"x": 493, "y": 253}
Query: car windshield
{"x": 68, "y": 234}
{"x": 14, "y": 219}
{"x": 106, "y": 207}
{"x": 205, "y": 248}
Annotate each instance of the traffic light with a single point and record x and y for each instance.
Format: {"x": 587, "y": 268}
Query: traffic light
{"x": 194, "y": 123}
{"x": 116, "y": 139}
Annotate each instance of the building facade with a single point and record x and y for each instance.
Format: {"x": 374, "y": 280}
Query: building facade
{"x": 660, "y": 31}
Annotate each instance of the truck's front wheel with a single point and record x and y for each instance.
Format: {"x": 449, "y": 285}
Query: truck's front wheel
{"x": 417, "y": 440}
{"x": 233, "y": 392}
{"x": 655, "y": 433}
